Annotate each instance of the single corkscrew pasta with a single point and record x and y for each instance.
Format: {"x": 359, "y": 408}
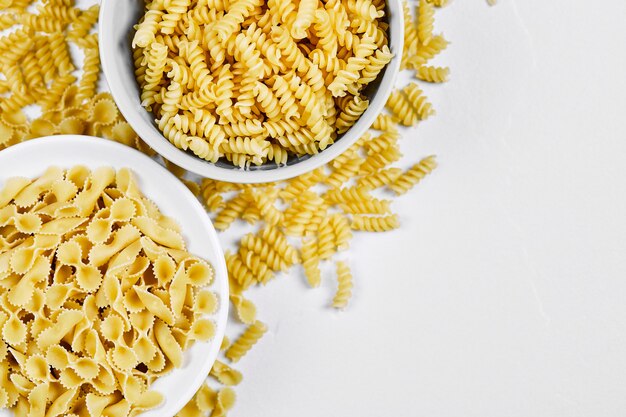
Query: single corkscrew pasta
{"x": 413, "y": 175}
{"x": 344, "y": 286}
{"x": 244, "y": 343}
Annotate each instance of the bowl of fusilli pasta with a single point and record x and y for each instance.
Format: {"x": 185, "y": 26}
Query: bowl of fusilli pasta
{"x": 251, "y": 90}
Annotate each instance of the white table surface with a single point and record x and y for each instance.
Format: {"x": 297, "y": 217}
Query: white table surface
{"x": 504, "y": 293}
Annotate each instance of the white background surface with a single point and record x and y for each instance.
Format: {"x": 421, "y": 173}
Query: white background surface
{"x": 504, "y": 292}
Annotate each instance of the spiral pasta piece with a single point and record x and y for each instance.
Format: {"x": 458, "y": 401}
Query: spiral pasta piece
{"x": 433, "y": 74}
{"x": 351, "y": 113}
{"x": 379, "y": 178}
{"x": 425, "y": 21}
{"x": 418, "y": 101}
{"x": 147, "y": 29}
{"x": 311, "y": 262}
{"x": 375, "y": 224}
{"x": 413, "y": 175}
{"x": 246, "y": 341}
{"x": 402, "y": 109}
{"x": 91, "y": 74}
{"x": 343, "y": 82}
{"x": 344, "y": 286}
{"x": 304, "y": 18}
{"x": 411, "y": 40}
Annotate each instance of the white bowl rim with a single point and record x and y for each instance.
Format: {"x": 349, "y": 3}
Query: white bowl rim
{"x": 209, "y": 170}
{"x": 221, "y": 277}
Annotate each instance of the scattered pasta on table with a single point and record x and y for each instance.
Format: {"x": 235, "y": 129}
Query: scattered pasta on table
{"x": 263, "y": 65}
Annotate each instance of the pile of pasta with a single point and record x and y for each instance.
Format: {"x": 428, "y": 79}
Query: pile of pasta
{"x": 253, "y": 81}
{"x": 98, "y": 295}
{"x": 39, "y": 71}
{"x": 355, "y": 191}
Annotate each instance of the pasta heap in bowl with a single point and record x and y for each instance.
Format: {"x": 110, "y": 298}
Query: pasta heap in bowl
{"x": 253, "y": 82}
{"x": 98, "y": 295}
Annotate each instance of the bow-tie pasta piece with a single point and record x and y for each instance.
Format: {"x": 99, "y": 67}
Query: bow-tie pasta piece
{"x": 98, "y": 296}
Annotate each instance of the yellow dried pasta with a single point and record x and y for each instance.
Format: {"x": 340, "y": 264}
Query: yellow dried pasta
{"x": 253, "y": 82}
{"x": 63, "y": 113}
{"x": 245, "y": 342}
{"x": 85, "y": 319}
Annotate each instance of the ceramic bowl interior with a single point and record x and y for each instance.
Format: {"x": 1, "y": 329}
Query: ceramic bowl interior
{"x": 117, "y": 19}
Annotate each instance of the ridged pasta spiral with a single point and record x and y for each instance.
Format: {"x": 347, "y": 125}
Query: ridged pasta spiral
{"x": 156, "y": 60}
{"x": 402, "y": 108}
{"x": 265, "y": 203}
{"x": 375, "y": 224}
{"x": 91, "y": 74}
{"x": 385, "y": 123}
{"x": 232, "y": 210}
{"x": 304, "y": 18}
{"x": 433, "y": 74}
{"x": 265, "y": 252}
{"x": 304, "y": 215}
{"x": 84, "y": 22}
{"x": 238, "y": 271}
{"x": 426, "y": 52}
{"x": 344, "y": 171}
{"x": 377, "y": 161}
{"x": 425, "y": 21}
{"x": 411, "y": 40}
{"x": 277, "y": 240}
{"x": 376, "y": 63}
{"x": 298, "y": 185}
{"x": 345, "y": 79}
{"x": 419, "y": 101}
{"x": 381, "y": 142}
{"x": 341, "y": 230}
{"x": 413, "y": 175}
{"x": 147, "y": 29}
{"x": 244, "y": 343}
{"x": 379, "y": 179}
{"x": 260, "y": 270}
{"x": 324, "y": 31}
{"x": 347, "y": 194}
{"x": 311, "y": 262}
{"x": 176, "y": 10}
{"x": 344, "y": 286}
{"x": 237, "y": 13}
{"x": 355, "y": 107}
{"x": 372, "y": 206}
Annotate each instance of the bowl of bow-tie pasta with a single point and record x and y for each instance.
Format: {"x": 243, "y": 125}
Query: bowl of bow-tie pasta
{"x": 108, "y": 306}
{"x": 251, "y": 90}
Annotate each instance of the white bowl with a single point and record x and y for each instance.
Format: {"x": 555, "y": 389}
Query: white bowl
{"x": 30, "y": 159}
{"x": 117, "y": 19}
